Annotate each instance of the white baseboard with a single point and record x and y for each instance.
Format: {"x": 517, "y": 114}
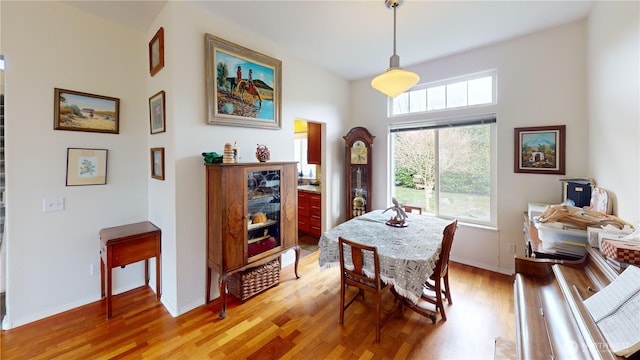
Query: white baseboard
{"x": 481, "y": 265}
{"x": 9, "y": 323}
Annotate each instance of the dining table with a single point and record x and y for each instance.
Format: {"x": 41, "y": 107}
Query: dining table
{"x": 407, "y": 254}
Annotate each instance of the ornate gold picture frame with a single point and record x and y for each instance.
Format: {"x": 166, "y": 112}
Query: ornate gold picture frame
{"x": 243, "y": 87}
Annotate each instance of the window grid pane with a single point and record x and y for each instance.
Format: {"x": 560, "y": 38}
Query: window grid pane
{"x": 436, "y": 98}
{"x": 300, "y": 155}
{"x": 480, "y": 91}
{"x": 464, "y": 169}
{"x": 457, "y": 94}
{"x": 401, "y": 104}
{"x": 418, "y": 100}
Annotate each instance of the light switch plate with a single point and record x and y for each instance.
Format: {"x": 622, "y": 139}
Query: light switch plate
{"x": 53, "y": 204}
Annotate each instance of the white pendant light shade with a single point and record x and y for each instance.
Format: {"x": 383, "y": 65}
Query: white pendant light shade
{"x": 394, "y": 82}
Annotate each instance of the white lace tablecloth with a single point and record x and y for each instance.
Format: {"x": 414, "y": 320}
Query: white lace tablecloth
{"x": 407, "y": 255}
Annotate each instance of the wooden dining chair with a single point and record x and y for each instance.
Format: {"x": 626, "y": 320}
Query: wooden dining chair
{"x": 356, "y": 277}
{"x": 433, "y": 292}
{"x": 411, "y": 209}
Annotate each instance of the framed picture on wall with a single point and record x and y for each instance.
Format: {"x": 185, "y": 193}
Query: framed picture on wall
{"x": 157, "y": 163}
{"x": 157, "y": 121}
{"x": 86, "y": 166}
{"x": 79, "y": 111}
{"x": 540, "y": 150}
{"x": 243, "y": 87}
{"x": 156, "y": 52}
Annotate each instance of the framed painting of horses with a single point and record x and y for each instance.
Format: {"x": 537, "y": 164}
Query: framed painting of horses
{"x": 243, "y": 87}
{"x": 540, "y": 150}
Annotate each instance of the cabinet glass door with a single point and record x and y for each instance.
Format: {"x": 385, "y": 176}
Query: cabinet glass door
{"x": 359, "y": 190}
{"x": 263, "y": 200}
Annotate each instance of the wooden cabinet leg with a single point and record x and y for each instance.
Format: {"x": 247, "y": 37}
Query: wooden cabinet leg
{"x": 297, "y": 250}
{"x": 208, "y": 290}
{"x": 223, "y": 294}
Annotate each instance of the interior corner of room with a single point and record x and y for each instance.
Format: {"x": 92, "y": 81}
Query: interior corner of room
{"x": 581, "y": 73}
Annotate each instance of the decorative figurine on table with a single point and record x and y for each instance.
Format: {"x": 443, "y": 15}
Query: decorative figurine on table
{"x": 262, "y": 153}
{"x": 399, "y": 220}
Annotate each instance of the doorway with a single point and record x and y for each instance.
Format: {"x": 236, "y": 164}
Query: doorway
{"x": 308, "y": 152}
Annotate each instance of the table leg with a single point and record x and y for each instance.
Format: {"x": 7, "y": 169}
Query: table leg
{"x": 158, "y": 288}
{"x": 404, "y": 302}
{"x": 102, "y": 292}
{"x": 146, "y": 272}
{"x": 109, "y": 278}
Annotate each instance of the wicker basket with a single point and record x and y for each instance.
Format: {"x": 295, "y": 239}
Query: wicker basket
{"x": 250, "y": 282}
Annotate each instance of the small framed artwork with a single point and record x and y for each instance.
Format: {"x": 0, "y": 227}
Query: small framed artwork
{"x": 243, "y": 87}
{"x": 79, "y": 111}
{"x": 157, "y": 163}
{"x": 540, "y": 150}
{"x": 86, "y": 166}
{"x": 157, "y": 121}
{"x": 156, "y": 52}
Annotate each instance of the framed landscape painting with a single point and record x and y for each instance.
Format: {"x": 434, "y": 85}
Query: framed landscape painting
{"x": 243, "y": 87}
{"x": 79, "y": 111}
{"x": 540, "y": 150}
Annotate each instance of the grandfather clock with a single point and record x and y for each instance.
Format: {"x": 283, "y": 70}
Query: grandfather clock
{"x": 357, "y": 145}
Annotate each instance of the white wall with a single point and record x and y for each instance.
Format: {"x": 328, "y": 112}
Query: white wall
{"x": 614, "y": 103}
{"x": 541, "y": 81}
{"x": 162, "y": 193}
{"x": 49, "y": 267}
{"x": 326, "y": 101}
{"x": 49, "y": 45}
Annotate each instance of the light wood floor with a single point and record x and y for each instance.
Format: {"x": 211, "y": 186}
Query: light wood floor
{"x": 298, "y": 319}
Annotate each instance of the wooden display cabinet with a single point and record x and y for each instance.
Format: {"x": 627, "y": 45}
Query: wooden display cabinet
{"x": 251, "y": 218}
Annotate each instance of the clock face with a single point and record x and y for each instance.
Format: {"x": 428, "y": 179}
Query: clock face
{"x": 359, "y": 153}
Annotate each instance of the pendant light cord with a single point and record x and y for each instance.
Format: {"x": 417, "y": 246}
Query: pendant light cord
{"x": 395, "y": 6}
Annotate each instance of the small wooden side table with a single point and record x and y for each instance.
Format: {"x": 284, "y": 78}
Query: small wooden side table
{"x": 124, "y": 245}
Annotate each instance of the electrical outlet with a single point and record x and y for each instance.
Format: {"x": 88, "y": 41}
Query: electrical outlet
{"x": 53, "y": 204}
{"x": 511, "y": 248}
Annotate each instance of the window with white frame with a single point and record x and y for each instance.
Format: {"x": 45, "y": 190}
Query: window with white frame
{"x": 446, "y": 167}
{"x": 300, "y": 155}
{"x": 464, "y": 91}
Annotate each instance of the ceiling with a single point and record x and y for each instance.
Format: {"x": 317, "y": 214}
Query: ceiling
{"x": 354, "y": 39}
